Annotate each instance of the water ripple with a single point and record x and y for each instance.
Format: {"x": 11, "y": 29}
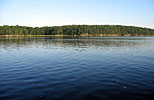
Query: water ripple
{"x": 81, "y": 68}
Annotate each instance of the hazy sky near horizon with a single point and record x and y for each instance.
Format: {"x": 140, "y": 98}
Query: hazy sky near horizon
{"x": 68, "y": 12}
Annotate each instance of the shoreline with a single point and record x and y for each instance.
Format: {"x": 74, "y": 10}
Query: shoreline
{"x": 82, "y": 35}
{"x": 33, "y": 35}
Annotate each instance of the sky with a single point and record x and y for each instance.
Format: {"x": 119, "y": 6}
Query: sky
{"x": 38, "y": 13}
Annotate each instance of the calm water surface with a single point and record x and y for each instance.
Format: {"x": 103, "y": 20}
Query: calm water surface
{"x": 79, "y": 68}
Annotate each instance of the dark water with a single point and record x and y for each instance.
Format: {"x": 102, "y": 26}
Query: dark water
{"x": 94, "y": 68}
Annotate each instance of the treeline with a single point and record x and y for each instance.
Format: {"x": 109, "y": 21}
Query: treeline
{"x": 76, "y": 30}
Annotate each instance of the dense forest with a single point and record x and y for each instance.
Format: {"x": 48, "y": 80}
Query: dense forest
{"x": 78, "y": 30}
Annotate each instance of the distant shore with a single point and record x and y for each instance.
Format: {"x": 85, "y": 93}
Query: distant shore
{"x": 84, "y": 35}
{"x": 74, "y": 30}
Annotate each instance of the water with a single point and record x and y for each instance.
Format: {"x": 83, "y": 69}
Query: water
{"x": 77, "y": 68}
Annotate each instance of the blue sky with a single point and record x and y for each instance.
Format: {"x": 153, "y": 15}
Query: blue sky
{"x": 68, "y": 12}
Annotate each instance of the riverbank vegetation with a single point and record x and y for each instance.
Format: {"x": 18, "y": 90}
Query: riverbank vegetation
{"x": 76, "y": 30}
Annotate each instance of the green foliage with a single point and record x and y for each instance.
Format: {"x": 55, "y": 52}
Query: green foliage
{"x": 76, "y": 30}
